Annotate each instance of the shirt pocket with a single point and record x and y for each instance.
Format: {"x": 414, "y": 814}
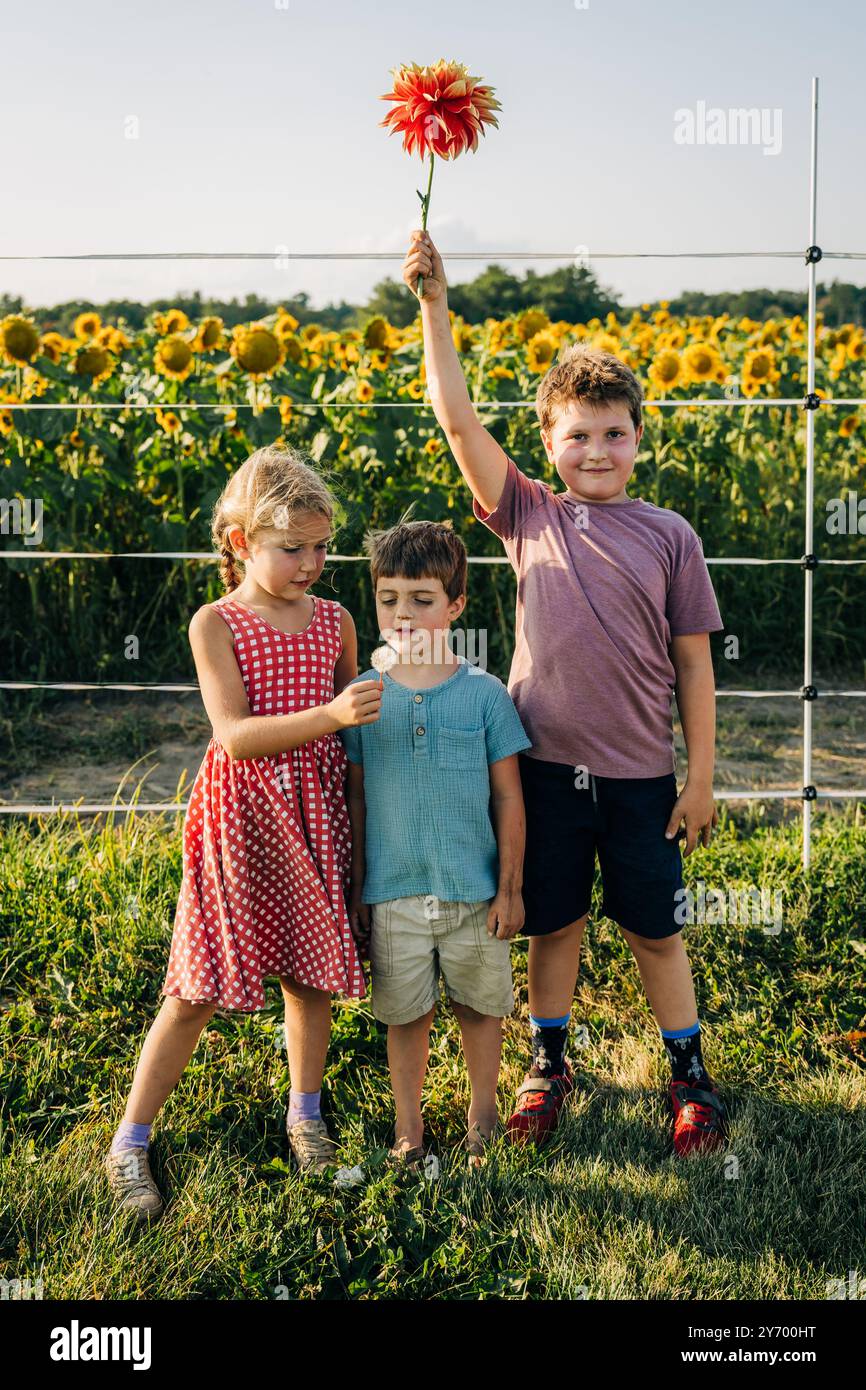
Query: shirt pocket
{"x": 461, "y": 750}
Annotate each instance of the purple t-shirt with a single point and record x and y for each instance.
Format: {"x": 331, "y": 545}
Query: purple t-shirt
{"x": 602, "y": 587}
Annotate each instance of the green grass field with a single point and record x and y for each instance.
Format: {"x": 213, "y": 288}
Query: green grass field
{"x": 605, "y": 1212}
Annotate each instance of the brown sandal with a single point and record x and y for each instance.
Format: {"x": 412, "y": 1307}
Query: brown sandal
{"x": 407, "y": 1160}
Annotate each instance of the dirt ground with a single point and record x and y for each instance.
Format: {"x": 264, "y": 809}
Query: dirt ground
{"x": 85, "y": 747}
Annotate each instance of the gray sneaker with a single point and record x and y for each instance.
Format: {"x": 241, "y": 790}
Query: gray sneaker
{"x": 131, "y": 1180}
{"x": 311, "y": 1144}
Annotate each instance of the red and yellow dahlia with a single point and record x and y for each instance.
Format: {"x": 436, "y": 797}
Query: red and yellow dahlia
{"x": 439, "y": 109}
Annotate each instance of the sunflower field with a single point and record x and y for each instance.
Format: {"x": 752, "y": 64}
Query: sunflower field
{"x": 154, "y": 421}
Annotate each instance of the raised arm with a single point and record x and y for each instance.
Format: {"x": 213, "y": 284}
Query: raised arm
{"x": 246, "y": 735}
{"x": 483, "y": 463}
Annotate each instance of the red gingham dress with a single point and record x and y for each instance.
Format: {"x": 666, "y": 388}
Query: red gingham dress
{"x": 267, "y": 841}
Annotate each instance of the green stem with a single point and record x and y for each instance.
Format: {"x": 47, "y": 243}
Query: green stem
{"x": 425, "y": 207}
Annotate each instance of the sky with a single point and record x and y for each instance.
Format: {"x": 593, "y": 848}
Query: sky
{"x": 257, "y": 126}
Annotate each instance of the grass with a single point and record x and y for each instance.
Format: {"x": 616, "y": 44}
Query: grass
{"x": 86, "y": 909}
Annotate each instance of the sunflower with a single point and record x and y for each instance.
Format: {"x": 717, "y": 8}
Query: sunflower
{"x": 701, "y": 362}
{"x": 210, "y": 335}
{"x": 7, "y": 424}
{"x": 257, "y": 350}
{"x": 497, "y": 337}
{"x": 19, "y": 338}
{"x": 93, "y": 361}
{"x": 294, "y": 351}
{"x": 666, "y": 370}
{"x": 530, "y": 322}
{"x": 364, "y": 391}
{"x": 839, "y": 361}
{"x": 759, "y": 369}
{"x": 462, "y": 337}
{"x": 415, "y": 388}
{"x": 433, "y": 447}
{"x": 118, "y": 342}
{"x": 856, "y": 349}
{"x": 286, "y": 409}
{"x": 52, "y": 346}
{"x": 87, "y": 325}
{"x": 348, "y": 353}
{"x": 172, "y": 321}
{"x": 848, "y": 426}
{"x": 501, "y": 373}
{"x": 606, "y": 342}
{"x": 376, "y": 333}
{"x": 33, "y": 384}
{"x": 675, "y": 337}
{"x": 286, "y": 323}
{"x": 540, "y": 351}
{"x": 173, "y": 357}
{"x": 170, "y": 422}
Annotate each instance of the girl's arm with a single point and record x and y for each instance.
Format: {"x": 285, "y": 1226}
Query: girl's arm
{"x": 246, "y": 735}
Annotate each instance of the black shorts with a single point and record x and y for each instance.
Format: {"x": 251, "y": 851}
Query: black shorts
{"x": 625, "y": 819}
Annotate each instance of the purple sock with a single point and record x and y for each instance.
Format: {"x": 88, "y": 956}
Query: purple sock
{"x": 130, "y": 1136}
{"x": 304, "y": 1105}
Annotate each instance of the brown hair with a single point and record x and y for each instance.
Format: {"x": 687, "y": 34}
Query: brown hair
{"x": 266, "y": 493}
{"x": 582, "y": 373}
{"x": 412, "y": 549}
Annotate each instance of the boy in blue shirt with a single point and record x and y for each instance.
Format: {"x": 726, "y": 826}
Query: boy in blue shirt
{"x": 436, "y": 806}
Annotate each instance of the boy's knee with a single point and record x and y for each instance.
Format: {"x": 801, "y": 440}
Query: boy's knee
{"x": 654, "y": 945}
{"x": 566, "y": 933}
{"x": 422, "y": 1021}
{"x": 466, "y": 1014}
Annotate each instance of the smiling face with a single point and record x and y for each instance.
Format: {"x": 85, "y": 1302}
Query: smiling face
{"x": 284, "y": 563}
{"x": 593, "y": 449}
{"x": 405, "y": 607}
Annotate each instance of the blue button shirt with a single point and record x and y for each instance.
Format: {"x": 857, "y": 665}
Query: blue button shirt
{"x": 427, "y": 785}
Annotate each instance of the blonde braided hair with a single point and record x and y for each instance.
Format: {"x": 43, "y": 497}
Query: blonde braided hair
{"x": 266, "y": 492}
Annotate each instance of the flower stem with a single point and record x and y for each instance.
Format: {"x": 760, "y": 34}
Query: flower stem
{"x": 425, "y": 206}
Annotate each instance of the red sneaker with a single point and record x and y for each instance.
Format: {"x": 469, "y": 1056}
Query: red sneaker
{"x": 699, "y": 1119}
{"x": 539, "y": 1101}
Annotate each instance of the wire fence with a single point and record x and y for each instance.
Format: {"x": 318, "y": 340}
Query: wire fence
{"x": 809, "y": 561}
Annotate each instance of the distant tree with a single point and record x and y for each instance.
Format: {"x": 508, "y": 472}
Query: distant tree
{"x": 568, "y": 292}
{"x": 393, "y": 300}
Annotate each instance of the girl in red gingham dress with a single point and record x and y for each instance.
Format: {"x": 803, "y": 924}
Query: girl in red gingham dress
{"x": 267, "y": 851}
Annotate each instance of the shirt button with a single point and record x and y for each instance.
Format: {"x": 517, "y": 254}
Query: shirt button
{"x": 418, "y": 699}
{"x": 420, "y": 729}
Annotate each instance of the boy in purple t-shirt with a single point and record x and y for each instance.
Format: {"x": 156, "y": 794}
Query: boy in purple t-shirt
{"x": 614, "y": 610}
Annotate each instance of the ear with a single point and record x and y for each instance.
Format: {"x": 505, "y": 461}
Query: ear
{"x": 456, "y": 607}
{"x": 238, "y": 541}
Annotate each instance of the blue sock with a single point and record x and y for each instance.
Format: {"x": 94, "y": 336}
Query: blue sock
{"x": 130, "y": 1136}
{"x": 304, "y": 1105}
{"x": 683, "y": 1047}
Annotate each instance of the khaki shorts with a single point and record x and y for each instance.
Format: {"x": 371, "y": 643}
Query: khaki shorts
{"x": 413, "y": 940}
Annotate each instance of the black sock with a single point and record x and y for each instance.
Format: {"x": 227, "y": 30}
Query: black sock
{"x": 684, "y": 1055}
{"x": 549, "y": 1036}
